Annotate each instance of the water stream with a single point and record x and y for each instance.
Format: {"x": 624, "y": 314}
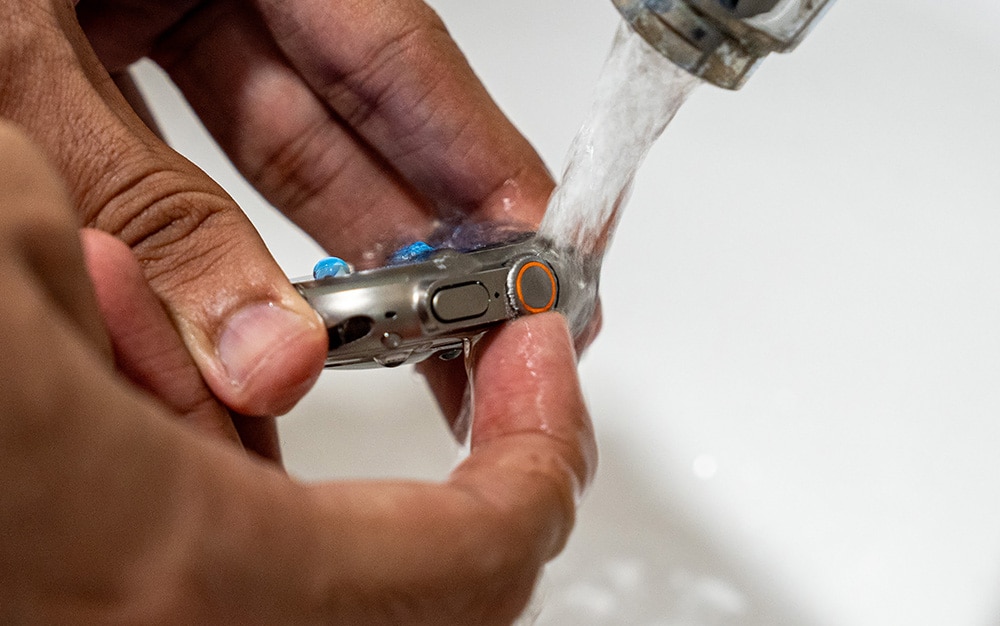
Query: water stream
{"x": 637, "y": 95}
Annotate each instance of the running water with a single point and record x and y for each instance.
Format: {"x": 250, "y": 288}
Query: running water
{"x": 639, "y": 91}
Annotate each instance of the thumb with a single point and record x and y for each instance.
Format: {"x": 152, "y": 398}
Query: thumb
{"x": 256, "y": 341}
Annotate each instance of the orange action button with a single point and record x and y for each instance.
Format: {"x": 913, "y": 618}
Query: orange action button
{"x": 536, "y": 287}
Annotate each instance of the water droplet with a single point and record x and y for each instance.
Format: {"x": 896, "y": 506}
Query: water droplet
{"x": 391, "y": 340}
{"x": 393, "y": 360}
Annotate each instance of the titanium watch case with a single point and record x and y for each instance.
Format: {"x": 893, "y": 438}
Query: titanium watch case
{"x": 401, "y": 314}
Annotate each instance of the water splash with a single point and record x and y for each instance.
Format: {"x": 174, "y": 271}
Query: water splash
{"x": 637, "y": 95}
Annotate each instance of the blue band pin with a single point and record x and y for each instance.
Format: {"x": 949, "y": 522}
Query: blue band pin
{"x": 331, "y": 267}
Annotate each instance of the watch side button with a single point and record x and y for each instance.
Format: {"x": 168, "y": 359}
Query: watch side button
{"x": 461, "y": 302}
{"x": 536, "y": 289}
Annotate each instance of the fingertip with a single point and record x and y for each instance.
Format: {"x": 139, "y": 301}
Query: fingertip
{"x": 503, "y": 378}
{"x": 525, "y": 382}
{"x": 113, "y": 272}
{"x": 268, "y": 355}
{"x": 107, "y": 257}
{"x": 526, "y": 352}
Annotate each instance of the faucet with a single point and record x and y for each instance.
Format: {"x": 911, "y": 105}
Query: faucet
{"x": 721, "y": 41}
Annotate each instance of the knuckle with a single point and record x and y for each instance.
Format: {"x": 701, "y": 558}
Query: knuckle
{"x": 405, "y": 54}
{"x": 551, "y": 485}
{"x": 502, "y": 579}
{"x": 489, "y": 573}
{"x": 500, "y": 560}
{"x": 298, "y": 167}
{"x": 174, "y": 223}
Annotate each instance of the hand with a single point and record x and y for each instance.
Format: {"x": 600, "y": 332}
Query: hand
{"x": 115, "y": 512}
{"x": 232, "y": 306}
{"x": 360, "y": 120}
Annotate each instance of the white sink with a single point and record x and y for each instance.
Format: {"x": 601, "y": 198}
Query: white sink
{"x": 798, "y": 400}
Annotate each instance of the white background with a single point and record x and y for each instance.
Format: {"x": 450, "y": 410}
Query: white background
{"x": 797, "y": 389}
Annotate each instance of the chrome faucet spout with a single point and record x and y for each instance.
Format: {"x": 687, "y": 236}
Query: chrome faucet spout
{"x": 721, "y": 41}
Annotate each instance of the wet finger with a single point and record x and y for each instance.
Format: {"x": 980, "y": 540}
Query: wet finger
{"x": 528, "y": 405}
{"x": 502, "y": 514}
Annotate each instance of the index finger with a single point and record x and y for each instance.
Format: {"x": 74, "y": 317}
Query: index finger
{"x": 392, "y": 72}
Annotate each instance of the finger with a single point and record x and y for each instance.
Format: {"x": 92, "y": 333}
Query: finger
{"x": 260, "y": 436}
{"x": 30, "y": 186}
{"x": 504, "y": 512}
{"x": 107, "y": 502}
{"x": 449, "y": 380}
{"x": 385, "y": 154}
{"x": 285, "y": 141}
{"x": 390, "y": 69}
{"x": 147, "y": 348}
{"x": 105, "y": 24}
{"x": 529, "y": 411}
{"x": 256, "y": 342}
